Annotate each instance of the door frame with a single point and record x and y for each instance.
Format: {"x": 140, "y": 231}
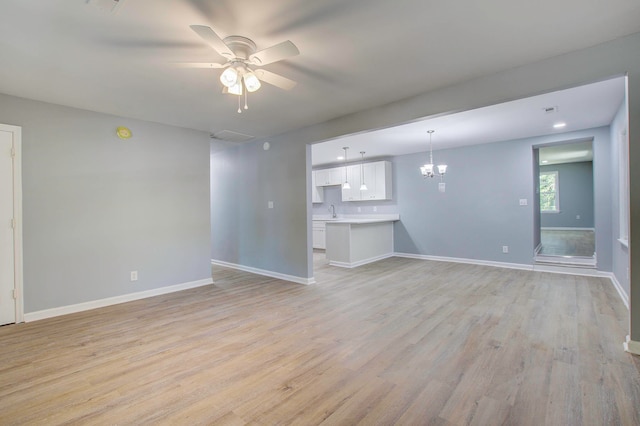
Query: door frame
{"x": 16, "y": 132}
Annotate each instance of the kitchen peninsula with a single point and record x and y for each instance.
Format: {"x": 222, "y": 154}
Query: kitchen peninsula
{"x": 356, "y": 241}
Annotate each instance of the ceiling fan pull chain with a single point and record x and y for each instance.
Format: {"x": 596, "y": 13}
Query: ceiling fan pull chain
{"x": 239, "y": 110}
{"x": 245, "y": 99}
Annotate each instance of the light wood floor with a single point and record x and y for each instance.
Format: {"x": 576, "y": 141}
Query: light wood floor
{"x": 561, "y": 242}
{"x": 396, "y": 342}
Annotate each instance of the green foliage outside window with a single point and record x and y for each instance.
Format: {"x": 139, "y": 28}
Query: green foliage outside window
{"x": 549, "y": 191}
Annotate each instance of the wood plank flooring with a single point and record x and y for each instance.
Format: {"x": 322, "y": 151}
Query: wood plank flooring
{"x": 400, "y": 341}
{"x": 566, "y": 242}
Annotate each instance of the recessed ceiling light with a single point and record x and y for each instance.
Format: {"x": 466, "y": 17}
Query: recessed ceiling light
{"x": 559, "y": 125}
{"x": 340, "y": 157}
{"x": 545, "y": 161}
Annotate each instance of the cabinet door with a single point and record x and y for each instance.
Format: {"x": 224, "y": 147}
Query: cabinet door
{"x": 317, "y": 192}
{"x": 322, "y": 177}
{"x": 378, "y": 179}
{"x": 336, "y": 176}
{"x": 319, "y": 241}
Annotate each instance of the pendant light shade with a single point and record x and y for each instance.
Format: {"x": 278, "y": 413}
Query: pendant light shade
{"x": 229, "y": 77}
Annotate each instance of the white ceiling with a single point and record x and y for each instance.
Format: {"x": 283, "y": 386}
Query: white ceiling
{"x": 579, "y": 108}
{"x": 355, "y": 54}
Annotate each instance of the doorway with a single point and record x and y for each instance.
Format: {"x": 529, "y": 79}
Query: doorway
{"x": 10, "y": 225}
{"x": 565, "y": 220}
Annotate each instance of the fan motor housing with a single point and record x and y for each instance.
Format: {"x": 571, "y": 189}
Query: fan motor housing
{"x": 242, "y": 47}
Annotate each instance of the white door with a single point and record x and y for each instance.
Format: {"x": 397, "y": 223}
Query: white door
{"x": 7, "y": 225}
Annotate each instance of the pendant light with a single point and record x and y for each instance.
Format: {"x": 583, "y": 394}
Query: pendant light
{"x": 346, "y": 184}
{"x": 363, "y": 186}
{"x": 428, "y": 169}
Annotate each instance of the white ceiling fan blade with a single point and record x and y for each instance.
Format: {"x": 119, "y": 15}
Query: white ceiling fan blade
{"x": 275, "y": 79}
{"x": 199, "y": 65}
{"x": 213, "y": 40}
{"x": 280, "y": 51}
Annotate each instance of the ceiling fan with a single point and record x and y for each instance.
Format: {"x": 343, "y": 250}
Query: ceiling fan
{"x": 242, "y": 73}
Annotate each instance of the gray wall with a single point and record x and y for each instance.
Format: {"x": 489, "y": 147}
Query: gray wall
{"x": 575, "y": 181}
{"x": 480, "y": 212}
{"x": 243, "y": 230}
{"x": 96, "y": 207}
{"x": 620, "y": 252}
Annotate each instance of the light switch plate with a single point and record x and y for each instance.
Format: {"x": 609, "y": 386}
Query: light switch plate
{"x": 441, "y": 187}
{"x": 270, "y": 204}
{"x": 523, "y": 201}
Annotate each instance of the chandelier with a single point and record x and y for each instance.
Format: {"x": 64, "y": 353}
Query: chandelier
{"x": 428, "y": 169}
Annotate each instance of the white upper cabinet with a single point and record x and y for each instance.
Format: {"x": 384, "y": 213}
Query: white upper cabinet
{"x": 377, "y": 177}
{"x": 328, "y": 177}
{"x": 317, "y": 192}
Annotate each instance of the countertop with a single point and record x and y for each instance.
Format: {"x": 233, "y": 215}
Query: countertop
{"x": 357, "y": 219}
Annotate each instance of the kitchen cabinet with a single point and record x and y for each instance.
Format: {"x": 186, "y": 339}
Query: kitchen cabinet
{"x": 317, "y": 192}
{"x": 318, "y": 232}
{"x": 377, "y": 177}
{"x": 328, "y": 177}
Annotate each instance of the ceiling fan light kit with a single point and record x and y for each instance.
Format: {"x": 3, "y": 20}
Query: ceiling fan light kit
{"x": 239, "y": 77}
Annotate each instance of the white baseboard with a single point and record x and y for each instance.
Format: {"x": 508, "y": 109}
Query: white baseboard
{"x": 624, "y": 296}
{"x": 467, "y": 261}
{"x": 535, "y": 268}
{"x": 360, "y": 262}
{"x": 285, "y": 277}
{"x": 565, "y": 228}
{"x": 631, "y": 346}
{"x": 101, "y": 303}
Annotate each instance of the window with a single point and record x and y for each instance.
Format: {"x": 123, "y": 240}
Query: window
{"x": 549, "y": 192}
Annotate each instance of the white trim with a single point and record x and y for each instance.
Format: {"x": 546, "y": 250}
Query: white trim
{"x": 360, "y": 262}
{"x": 621, "y": 292}
{"x": 537, "y": 249}
{"x": 624, "y": 242}
{"x": 100, "y": 303}
{"x": 468, "y": 261}
{"x": 565, "y": 228}
{"x": 631, "y": 346}
{"x": 297, "y": 280}
{"x": 17, "y": 216}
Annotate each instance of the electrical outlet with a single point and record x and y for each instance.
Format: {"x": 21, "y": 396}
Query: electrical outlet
{"x": 375, "y": 209}
{"x": 359, "y": 209}
{"x": 505, "y": 249}
{"x": 134, "y": 275}
{"x": 523, "y": 201}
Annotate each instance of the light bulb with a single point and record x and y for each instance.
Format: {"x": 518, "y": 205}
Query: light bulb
{"x": 236, "y": 89}
{"x": 442, "y": 169}
{"x": 346, "y": 185}
{"x": 251, "y": 81}
{"x": 229, "y": 77}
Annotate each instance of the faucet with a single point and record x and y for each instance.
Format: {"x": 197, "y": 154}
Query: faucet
{"x": 332, "y": 209}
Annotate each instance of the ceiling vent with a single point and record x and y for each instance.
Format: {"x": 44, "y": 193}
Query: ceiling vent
{"x": 106, "y": 5}
{"x": 550, "y": 110}
{"x": 229, "y": 136}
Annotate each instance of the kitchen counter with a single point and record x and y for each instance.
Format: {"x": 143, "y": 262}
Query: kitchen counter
{"x": 355, "y": 241}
